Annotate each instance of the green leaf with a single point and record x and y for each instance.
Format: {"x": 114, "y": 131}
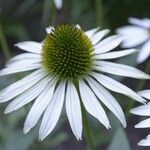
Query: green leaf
{"x": 120, "y": 141}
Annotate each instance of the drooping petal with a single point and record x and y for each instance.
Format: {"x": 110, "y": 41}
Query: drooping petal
{"x": 115, "y": 86}
{"x": 20, "y": 86}
{"x": 143, "y": 124}
{"x": 145, "y": 94}
{"x": 108, "y": 44}
{"x": 145, "y": 142}
{"x": 73, "y": 110}
{"x": 107, "y": 99}
{"x": 28, "y": 95}
{"x": 58, "y": 3}
{"x": 145, "y": 23}
{"x": 98, "y": 36}
{"x": 143, "y": 110}
{"x": 113, "y": 55}
{"x": 92, "y": 105}
{"x": 120, "y": 70}
{"x": 144, "y": 52}
{"x": 39, "y": 107}
{"x": 52, "y": 112}
{"x": 30, "y": 46}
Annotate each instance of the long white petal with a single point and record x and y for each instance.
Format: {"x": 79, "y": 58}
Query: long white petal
{"x": 73, "y": 110}
{"x": 107, "y": 99}
{"x": 108, "y": 44}
{"x": 132, "y": 36}
{"x": 58, "y": 3}
{"x": 39, "y": 107}
{"x": 98, "y": 36}
{"x": 145, "y": 23}
{"x": 52, "y": 112}
{"x": 30, "y": 46}
{"x": 144, "y": 53}
{"x": 27, "y": 96}
{"x": 20, "y": 86}
{"x": 115, "y": 86}
{"x": 145, "y": 94}
{"x": 143, "y": 110}
{"x": 120, "y": 70}
{"x": 143, "y": 124}
{"x": 113, "y": 55}
{"x": 20, "y": 68}
{"x": 25, "y": 56}
{"x": 145, "y": 142}
{"x": 49, "y": 29}
{"x": 92, "y": 105}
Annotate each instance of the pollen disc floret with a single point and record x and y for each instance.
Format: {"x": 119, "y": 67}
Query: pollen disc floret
{"x": 67, "y": 52}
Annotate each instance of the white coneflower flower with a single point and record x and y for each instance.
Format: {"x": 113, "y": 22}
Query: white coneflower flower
{"x": 58, "y": 3}
{"x": 69, "y": 65}
{"x": 143, "y": 111}
{"x": 137, "y": 35}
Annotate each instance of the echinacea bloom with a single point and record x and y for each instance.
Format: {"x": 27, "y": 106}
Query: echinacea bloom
{"x": 68, "y": 67}
{"x": 137, "y": 35}
{"x": 143, "y": 110}
{"x": 58, "y": 3}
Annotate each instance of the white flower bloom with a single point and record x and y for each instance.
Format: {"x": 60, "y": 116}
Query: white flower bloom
{"x": 69, "y": 63}
{"x": 58, "y": 3}
{"x": 137, "y": 35}
{"x": 143, "y": 110}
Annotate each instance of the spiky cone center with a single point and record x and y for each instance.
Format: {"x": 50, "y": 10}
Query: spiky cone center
{"x": 67, "y": 53}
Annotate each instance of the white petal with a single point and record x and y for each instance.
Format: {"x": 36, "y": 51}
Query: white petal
{"x": 132, "y": 36}
{"x": 52, "y": 112}
{"x": 113, "y": 55}
{"x": 143, "y": 124}
{"x": 120, "y": 70}
{"x": 115, "y": 86}
{"x": 145, "y": 94}
{"x": 143, "y": 110}
{"x": 73, "y": 110}
{"x": 20, "y": 68}
{"x": 30, "y": 46}
{"x": 49, "y": 29}
{"x": 25, "y": 56}
{"x": 58, "y": 3}
{"x": 145, "y": 142}
{"x": 107, "y": 99}
{"x": 27, "y": 96}
{"x": 98, "y": 36}
{"x": 108, "y": 44}
{"x": 145, "y": 23}
{"x": 92, "y": 105}
{"x": 20, "y": 86}
{"x": 39, "y": 107}
{"x": 78, "y": 26}
{"x": 144, "y": 52}
{"x": 91, "y": 32}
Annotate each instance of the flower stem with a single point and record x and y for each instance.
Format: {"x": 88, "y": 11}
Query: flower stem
{"x": 87, "y": 130}
{"x": 4, "y": 44}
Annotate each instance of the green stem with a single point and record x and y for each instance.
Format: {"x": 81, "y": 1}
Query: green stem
{"x": 86, "y": 123}
{"x": 87, "y": 130}
{"x": 4, "y": 44}
{"x": 99, "y": 13}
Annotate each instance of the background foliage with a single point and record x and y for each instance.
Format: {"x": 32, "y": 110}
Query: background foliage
{"x": 26, "y": 20}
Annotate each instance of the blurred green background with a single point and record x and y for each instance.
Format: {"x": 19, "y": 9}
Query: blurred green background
{"x": 26, "y": 20}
